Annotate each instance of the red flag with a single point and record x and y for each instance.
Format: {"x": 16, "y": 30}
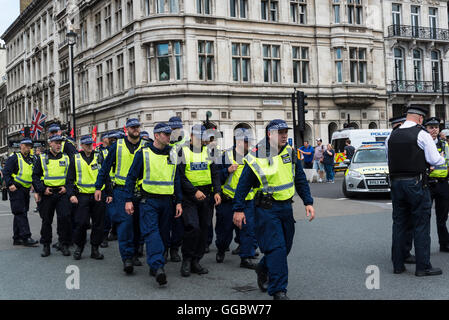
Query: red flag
{"x": 94, "y": 134}
{"x": 72, "y": 133}
{"x": 124, "y": 129}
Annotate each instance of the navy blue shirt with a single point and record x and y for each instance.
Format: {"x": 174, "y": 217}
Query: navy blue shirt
{"x": 136, "y": 173}
{"x": 249, "y": 180}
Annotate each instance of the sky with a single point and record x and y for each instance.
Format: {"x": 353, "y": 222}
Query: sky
{"x": 9, "y": 11}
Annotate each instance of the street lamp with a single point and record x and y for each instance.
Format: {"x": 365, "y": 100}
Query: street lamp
{"x": 71, "y": 37}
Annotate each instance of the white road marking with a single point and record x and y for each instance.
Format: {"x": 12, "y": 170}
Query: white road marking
{"x": 339, "y": 199}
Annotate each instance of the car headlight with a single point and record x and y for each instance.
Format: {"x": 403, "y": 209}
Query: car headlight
{"x": 354, "y": 174}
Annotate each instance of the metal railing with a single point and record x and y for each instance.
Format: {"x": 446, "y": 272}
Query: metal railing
{"x": 413, "y": 32}
{"x": 408, "y": 86}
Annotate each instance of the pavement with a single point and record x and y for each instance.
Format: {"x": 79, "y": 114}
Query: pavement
{"x": 329, "y": 259}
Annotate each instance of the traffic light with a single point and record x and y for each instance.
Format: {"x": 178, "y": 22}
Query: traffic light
{"x": 301, "y": 102}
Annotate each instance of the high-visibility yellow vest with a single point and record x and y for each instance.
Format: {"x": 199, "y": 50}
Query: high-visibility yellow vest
{"x": 55, "y": 170}
{"x": 123, "y": 161}
{"x": 441, "y": 170}
{"x": 86, "y": 174}
{"x": 23, "y": 177}
{"x": 105, "y": 153}
{"x": 233, "y": 179}
{"x": 276, "y": 175}
{"x": 159, "y": 172}
{"x": 197, "y": 167}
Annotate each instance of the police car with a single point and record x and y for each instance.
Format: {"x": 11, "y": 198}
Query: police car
{"x": 368, "y": 170}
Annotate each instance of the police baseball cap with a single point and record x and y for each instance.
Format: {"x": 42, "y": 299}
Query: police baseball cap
{"x": 399, "y": 119}
{"x": 54, "y": 128}
{"x": 432, "y": 121}
{"x": 105, "y": 135}
{"x": 243, "y": 134}
{"x": 162, "y": 127}
{"x": 422, "y": 110}
{"x": 56, "y": 138}
{"x": 198, "y": 130}
{"x": 175, "y": 122}
{"x": 113, "y": 135}
{"x": 144, "y": 134}
{"x": 277, "y": 124}
{"x": 26, "y": 141}
{"x": 86, "y": 140}
{"x": 132, "y": 123}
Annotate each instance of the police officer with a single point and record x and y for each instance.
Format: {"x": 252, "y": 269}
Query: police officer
{"x": 156, "y": 166}
{"x": 438, "y": 183}
{"x": 68, "y": 146}
{"x": 120, "y": 157}
{"x": 273, "y": 167}
{"x": 199, "y": 174}
{"x": 17, "y": 176}
{"x": 396, "y": 122}
{"x": 83, "y": 172}
{"x": 232, "y": 167}
{"x": 410, "y": 150}
{"x": 49, "y": 179}
{"x": 145, "y": 136}
{"x": 177, "y": 140}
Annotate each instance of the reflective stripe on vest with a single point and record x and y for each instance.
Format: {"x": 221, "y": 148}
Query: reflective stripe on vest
{"x": 86, "y": 174}
{"x": 55, "y": 172}
{"x": 441, "y": 170}
{"x": 23, "y": 177}
{"x": 274, "y": 172}
{"x": 197, "y": 167}
{"x": 159, "y": 172}
{"x": 123, "y": 161}
{"x": 105, "y": 153}
{"x": 233, "y": 179}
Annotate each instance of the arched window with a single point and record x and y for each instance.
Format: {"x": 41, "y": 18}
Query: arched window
{"x": 399, "y": 64}
{"x": 372, "y": 125}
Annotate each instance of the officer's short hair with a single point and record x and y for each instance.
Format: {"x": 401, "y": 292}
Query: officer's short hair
{"x": 348, "y": 141}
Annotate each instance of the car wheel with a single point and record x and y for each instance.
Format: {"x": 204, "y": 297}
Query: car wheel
{"x": 346, "y": 193}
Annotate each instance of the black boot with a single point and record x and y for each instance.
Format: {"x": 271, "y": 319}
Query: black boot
{"x": 128, "y": 266}
{"x": 29, "y": 242}
{"x": 161, "y": 277}
{"x": 95, "y": 253}
{"x": 262, "y": 278}
{"x": 136, "y": 262}
{"x": 186, "y": 267}
{"x": 77, "y": 253}
{"x": 248, "y": 263}
{"x": 65, "y": 250}
{"x": 57, "y": 246}
{"x": 220, "y": 256}
{"x": 197, "y": 268}
{"x": 281, "y": 295}
{"x": 46, "y": 250}
{"x": 174, "y": 255}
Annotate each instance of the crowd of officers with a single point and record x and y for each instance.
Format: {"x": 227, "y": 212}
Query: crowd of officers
{"x": 160, "y": 195}
{"x": 418, "y": 158}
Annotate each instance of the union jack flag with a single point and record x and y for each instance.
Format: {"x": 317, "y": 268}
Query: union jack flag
{"x": 37, "y": 124}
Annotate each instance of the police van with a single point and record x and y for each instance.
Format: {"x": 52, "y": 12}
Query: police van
{"x": 357, "y": 136}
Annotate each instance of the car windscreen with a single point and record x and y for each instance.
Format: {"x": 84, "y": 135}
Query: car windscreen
{"x": 370, "y": 155}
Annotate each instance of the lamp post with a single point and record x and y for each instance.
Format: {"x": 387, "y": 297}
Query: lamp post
{"x": 71, "y": 36}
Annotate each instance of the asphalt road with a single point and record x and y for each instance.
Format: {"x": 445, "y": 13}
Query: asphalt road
{"x": 328, "y": 261}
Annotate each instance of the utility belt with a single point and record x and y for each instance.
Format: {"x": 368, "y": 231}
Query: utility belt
{"x": 142, "y": 195}
{"x": 55, "y": 190}
{"x": 424, "y": 177}
{"x": 265, "y": 201}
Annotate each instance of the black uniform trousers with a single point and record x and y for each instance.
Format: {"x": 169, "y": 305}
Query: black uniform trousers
{"x": 20, "y": 204}
{"x": 61, "y": 204}
{"x": 197, "y": 218}
{"x": 86, "y": 209}
{"x": 439, "y": 192}
{"x": 411, "y": 204}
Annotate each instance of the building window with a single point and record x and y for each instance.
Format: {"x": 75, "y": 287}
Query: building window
{"x": 298, "y": 10}
{"x": 84, "y": 86}
{"x": 120, "y": 73}
{"x": 178, "y": 59}
{"x": 129, "y": 11}
{"x": 417, "y": 65}
{"x": 398, "y": 64}
{"x": 269, "y": 10}
{"x": 98, "y": 27}
{"x": 240, "y": 62}
{"x": 271, "y": 63}
{"x": 336, "y": 11}
{"x": 118, "y": 15}
{"x": 435, "y": 59}
{"x": 132, "y": 67}
{"x": 339, "y": 65}
{"x": 440, "y": 111}
{"x": 83, "y": 35}
{"x": 165, "y": 6}
{"x": 300, "y": 65}
{"x": 110, "y": 77}
{"x": 163, "y": 62}
{"x": 206, "y": 60}
{"x": 433, "y": 22}
{"x": 357, "y": 60}
{"x": 238, "y": 8}
{"x": 415, "y": 19}
{"x": 355, "y": 11}
{"x": 204, "y": 6}
{"x": 107, "y": 20}
{"x": 147, "y": 7}
{"x": 167, "y": 62}
{"x": 99, "y": 81}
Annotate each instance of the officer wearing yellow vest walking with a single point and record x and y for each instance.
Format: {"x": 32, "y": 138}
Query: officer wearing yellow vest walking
{"x": 17, "y": 176}
{"x": 232, "y": 167}
{"x": 50, "y": 180}
{"x": 156, "y": 167}
{"x": 67, "y": 146}
{"x": 274, "y": 168}
{"x": 438, "y": 183}
{"x": 199, "y": 175}
{"x": 120, "y": 157}
{"x": 83, "y": 172}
